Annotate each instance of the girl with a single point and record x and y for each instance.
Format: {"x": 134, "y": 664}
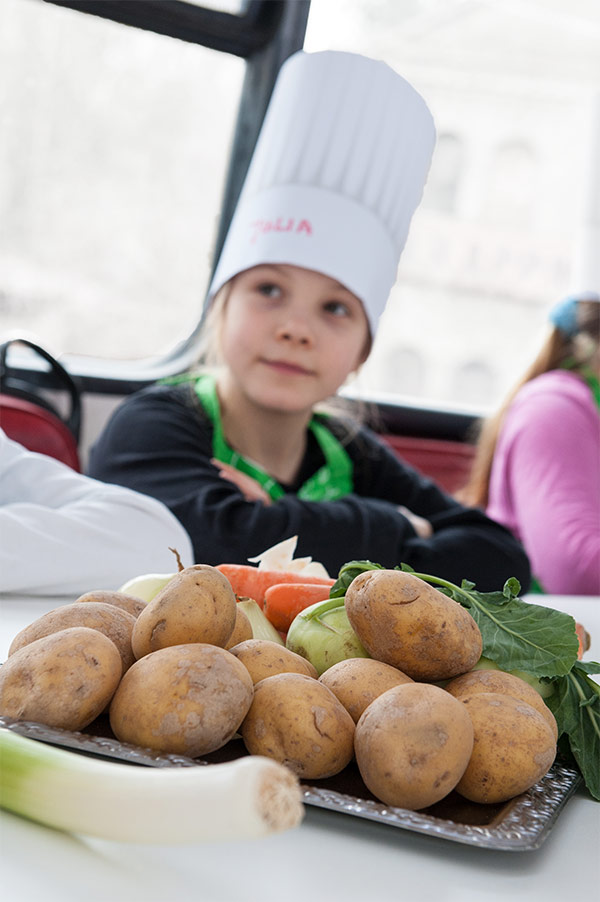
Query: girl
{"x": 243, "y": 457}
{"x": 537, "y": 468}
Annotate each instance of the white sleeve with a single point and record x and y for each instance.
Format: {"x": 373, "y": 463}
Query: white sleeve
{"x": 65, "y": 533}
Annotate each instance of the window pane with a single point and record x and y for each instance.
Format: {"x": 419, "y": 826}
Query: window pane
{"x": 492, "y": 246}
{"x": 225, "y": 6}
{"x": 114, "y": 144}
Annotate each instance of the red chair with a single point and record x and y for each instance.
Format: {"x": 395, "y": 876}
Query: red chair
{"x": 448, "y": 463}
{"x": 38, "y": 430}
{"x": 30, "y": 419}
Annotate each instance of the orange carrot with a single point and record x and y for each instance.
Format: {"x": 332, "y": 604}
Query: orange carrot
{"x": 284, "y": 600}
{"x": 252, "y": 582}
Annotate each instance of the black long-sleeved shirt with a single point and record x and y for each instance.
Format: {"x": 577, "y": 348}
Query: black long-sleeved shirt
{"x": 159, "y": 442}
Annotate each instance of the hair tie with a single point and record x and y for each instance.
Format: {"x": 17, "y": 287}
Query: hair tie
{"x": 564, "y": 314}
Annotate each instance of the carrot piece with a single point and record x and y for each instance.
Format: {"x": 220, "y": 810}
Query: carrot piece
{"x": 246, "y": 580}
{"x": 252, "y": 582}
{"x": 284, "y": 600}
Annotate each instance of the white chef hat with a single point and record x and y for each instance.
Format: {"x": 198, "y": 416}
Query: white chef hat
{"x": 337, "y": 173}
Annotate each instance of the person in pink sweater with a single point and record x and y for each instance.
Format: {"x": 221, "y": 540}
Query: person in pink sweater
{"x": 537, "y": 466}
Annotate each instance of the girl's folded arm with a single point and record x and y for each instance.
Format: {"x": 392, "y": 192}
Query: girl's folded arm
{"x": 155, "y": 445}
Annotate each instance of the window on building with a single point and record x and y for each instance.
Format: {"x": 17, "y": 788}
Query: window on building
{"x": 444, "y": 177}
{"x": 474, "y": 383}
{"x": 511, "y": 185}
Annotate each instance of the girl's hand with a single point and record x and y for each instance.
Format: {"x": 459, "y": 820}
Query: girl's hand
{"x": 421, "y": 526}
{"x": 249, "y": 487}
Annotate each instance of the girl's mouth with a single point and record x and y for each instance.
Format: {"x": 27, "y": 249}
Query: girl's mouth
{"x": 284, "y": 366}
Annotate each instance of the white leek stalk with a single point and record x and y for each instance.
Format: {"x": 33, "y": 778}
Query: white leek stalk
{"x": 247, "y": 798}
{"x": 261, "y": 627}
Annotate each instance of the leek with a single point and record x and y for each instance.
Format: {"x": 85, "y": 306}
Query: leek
{"x": 262, "y": 628}
{"x": 247, "y": 798}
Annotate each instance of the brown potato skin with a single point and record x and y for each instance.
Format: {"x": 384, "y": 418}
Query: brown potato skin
{"x": 185, "y": 699}
{"x": 356, "y": 682}
{"x": 114, "y": 623}
{"x": 506, "y": 683}
{"x": 403, "y": 621}
{"x": 514, "y": 747}
{"x": 412, "y": 746}
{"x": 65, "y": 679}
{"x": 197, "y": 605}
{"x": 130, "y": 603}
{"x": 297, "y": 721}
{"x": 242, "y": 629}
{"x": 263, "y": 659}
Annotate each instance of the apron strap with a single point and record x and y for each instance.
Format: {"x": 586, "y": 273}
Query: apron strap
{"x": 333, "y": 480}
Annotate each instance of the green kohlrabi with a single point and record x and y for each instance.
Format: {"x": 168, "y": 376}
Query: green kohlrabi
{"x": 322, "y": 634}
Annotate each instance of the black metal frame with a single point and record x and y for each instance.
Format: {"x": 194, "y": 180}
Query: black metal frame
{"x": 241, "y": 35}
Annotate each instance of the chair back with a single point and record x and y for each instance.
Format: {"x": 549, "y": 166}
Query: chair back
{"x": 28, "y": 417}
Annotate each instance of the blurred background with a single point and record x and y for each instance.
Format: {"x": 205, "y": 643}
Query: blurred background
{"x": 114, "y": 144}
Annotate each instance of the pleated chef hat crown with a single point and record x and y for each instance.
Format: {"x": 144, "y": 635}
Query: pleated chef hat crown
{"x": 337, "y": 173}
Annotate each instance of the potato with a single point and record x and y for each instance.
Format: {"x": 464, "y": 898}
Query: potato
{"x": 297, "y": 721}
{"x": 264, "y": 658}
{"x": 114, "y": 623}
{"x": 185, "y": 699}
{"x": 412, "y": 745}
{"x": 198, "y": 605}
{"x": 65, "y": 679}
{"x": 356, "y": 682}
{"x": 506, "y": 683}
{"x": 130, "y": 603}
{"x": 242, "y": 629}
{"x": 514, "y": 747}
{"x": 403, "y": 621}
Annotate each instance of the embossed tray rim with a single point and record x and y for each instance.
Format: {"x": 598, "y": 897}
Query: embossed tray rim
{"x": 522, "y": 824}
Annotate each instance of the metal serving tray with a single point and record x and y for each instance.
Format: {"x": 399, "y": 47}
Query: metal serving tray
{"x": 522, "y": 824}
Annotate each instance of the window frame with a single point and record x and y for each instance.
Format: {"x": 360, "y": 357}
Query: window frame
{"x": 242, "y": 35}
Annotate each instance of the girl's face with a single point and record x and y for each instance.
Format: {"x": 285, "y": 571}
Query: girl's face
{"x": 291, "y": 336}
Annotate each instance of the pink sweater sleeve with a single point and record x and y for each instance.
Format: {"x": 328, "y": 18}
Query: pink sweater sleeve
{"x": 546, "y": 482}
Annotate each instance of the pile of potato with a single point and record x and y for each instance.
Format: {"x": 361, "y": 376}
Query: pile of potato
{"x": 182, "y": 674}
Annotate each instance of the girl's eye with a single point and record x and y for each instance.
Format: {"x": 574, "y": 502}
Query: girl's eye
{"x": 269, "y": 290}
{"x": 337, "y": 308}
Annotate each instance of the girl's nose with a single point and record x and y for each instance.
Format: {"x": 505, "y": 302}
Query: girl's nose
{"x": 295, "y": 329}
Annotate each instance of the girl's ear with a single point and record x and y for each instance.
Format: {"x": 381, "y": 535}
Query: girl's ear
{"x": 366, "y": 350}
{"x": 361, "y": 360}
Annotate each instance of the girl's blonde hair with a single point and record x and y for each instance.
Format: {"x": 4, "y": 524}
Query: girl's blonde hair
{"x": 209, "y": 346}
{"x": 559, "y": 350}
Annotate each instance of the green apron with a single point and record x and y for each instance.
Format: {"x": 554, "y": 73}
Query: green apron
{"x": 594, "y": 384}
{"x": 333, "y": 480}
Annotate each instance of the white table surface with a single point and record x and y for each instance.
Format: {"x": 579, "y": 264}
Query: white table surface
{"x": 330, "y": 856}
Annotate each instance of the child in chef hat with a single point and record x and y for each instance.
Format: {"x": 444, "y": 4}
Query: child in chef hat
{"x": 335, "y": 178}
{"x": 241, "y": 455}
